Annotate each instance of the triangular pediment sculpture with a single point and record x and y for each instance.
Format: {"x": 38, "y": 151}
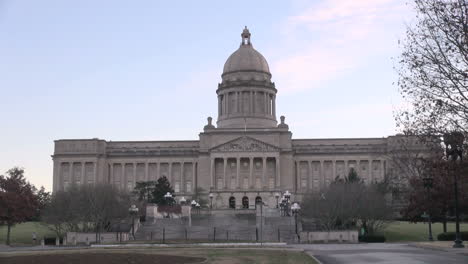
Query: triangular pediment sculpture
{"x": 245, "y": 144}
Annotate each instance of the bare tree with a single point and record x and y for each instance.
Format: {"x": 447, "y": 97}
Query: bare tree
{"x": 433, "y": 69}
{"x": 348, "y": 203}
{"x": 86, "y": 208}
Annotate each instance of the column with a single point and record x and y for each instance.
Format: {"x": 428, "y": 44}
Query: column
{"x": 182, "y": 178}
{"x": 370, "y": 171}
{"x": 322, "y": 174}
{"x": 346, "y": 169}
{"x": 146, "y": 171}
{"x": 254, "y": 101}
{"x": 358, "y": 169}
{"x": 220, "y": 111}
{"x": 212, "y": 172}
{"x": 237, "y": 102}
{"x": 251, "y": 179}
{"x": 382, "y": 170}
{"x": 264, "y": 170}
{"x": 227, "y": 104}
{"x": 169, "y": 177}
{"x": 95, "y": 172}
{"x": 111, "y": 178}
{"x": 310, "y": 176}
{"x": 158, "y": 170}
{"x": 193, "y": 177}
{"x": 238, "y": 173}
{"x": 265, "y": 105}
{"x": 224, "y": 175}
{"x": 334, "y": 170}
{"x": 123, "y": 180}
{"x": 278, "y": 173}
{"x": 296, "y": 174}
{"x": 134, "y": 174}
{"x": 82, "y": 173}
{"x": 274, "y": 105}
{"x": 71, "y": 178}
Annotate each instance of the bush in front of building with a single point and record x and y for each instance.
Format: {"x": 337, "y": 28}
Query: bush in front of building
{"x": 372, "y": 238}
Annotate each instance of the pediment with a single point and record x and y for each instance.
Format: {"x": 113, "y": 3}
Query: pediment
{"x": 245, "y": 144}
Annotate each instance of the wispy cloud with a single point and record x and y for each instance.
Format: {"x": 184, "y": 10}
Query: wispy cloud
{"x": 332, "y": 37}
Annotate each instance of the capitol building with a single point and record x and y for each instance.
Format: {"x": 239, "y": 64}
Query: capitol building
{"x": 246, "y": 155}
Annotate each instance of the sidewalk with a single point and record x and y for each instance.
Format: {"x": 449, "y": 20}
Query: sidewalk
{"x": 442, "y": 245}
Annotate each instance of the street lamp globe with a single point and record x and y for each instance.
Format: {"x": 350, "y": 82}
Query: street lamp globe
{"x": 211, "y": 195}
{"x": 287, "y": 195}
{"x": 277, "y": 195}
{"x": 295, "y": 207}
{"x": 193, "y": 203}
{"x": 182, "y": 200}
{"x": 168, "y": 195}
{"x": 133, "y": 209}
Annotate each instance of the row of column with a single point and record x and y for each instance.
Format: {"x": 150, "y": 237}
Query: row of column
{"x": 322, "y": 180}
{"x": 252, "y": 181}
{"x": 179, "y": 185}
{"x": 226, "y": 107}
{"x": 72, "y": 178}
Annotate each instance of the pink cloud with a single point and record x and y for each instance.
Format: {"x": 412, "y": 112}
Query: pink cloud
{"x": 333, "y": 37}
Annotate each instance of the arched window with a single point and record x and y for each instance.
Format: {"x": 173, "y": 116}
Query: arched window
{"x": 245, "y": 202}
{"x": 232, "y": 202}
{"x": 258, "y": 200}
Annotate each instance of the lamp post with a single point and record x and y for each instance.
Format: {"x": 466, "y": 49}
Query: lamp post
{"x": 277, "y": 195}
{"x": 295, "y": 210}
{"x": 428, "y": 182}
{"x": 133, "y": 210}
{"x": 168, "y": 197}
{"x": 211, "y": 200}
{"x": 182, "y": 200}
{"x": 454, "y": 151}
{"x": 287, "y": 196}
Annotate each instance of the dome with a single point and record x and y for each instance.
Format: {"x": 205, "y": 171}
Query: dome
{"x": 246, "y": 58}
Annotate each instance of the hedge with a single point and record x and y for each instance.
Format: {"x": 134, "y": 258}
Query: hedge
{"x": 372, "y": 238}
{"x": 450, "y": 236}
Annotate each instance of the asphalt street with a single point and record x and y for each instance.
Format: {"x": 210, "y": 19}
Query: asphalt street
{"x": 381, "y": 254}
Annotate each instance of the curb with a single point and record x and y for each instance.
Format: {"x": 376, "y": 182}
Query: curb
{"x": 189, "y": 245}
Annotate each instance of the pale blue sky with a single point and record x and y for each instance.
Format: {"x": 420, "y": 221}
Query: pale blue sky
{"x": 148, "y": 70}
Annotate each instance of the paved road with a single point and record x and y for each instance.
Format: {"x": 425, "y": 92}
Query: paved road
{"x": 381, "y": 254}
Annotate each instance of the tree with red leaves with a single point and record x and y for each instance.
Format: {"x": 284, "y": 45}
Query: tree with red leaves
{"x": 437, "y": 201}
{"x": 18, "y": 201}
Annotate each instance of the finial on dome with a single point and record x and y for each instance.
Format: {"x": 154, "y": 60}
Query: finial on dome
{"x": 245, "y": 36}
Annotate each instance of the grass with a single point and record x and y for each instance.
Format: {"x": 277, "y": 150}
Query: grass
{"x": 21, "y": 234}
{"x": 406, "y": 231}
{"x": 212, "y": 255}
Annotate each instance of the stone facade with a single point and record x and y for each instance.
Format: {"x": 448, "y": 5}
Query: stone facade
{"x": 248, "y": 156}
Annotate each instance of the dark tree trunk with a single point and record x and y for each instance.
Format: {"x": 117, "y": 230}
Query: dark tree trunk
{"x": 8, "y": 234}
{"x": 444, "y": 224}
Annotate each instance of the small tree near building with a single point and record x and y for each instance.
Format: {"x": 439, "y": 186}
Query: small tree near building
{"x": 162, "y": 187}
{"x": 18, "y": 202}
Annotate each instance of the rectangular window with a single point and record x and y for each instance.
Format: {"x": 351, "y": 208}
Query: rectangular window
{"x": 189, "y": 187}
{"x": 272, "y": 183}
{"x": 303, "y": 183}
{"x": 176, "y": 187}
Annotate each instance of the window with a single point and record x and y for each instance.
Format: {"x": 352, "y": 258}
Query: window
{"x": 272, "y": 183}
{"x": 177, "y": 187}
{"x": 303, "y": 183}
{"x": 245, "y": 202}
{"x": 232, "y": 202}
{"x": 189, "y": 186}
{"x": 246, "y": 183}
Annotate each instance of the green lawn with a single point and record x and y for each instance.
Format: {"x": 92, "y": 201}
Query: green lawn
{"x": 405, "y": 231}
{"x": 21, "y": 234}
